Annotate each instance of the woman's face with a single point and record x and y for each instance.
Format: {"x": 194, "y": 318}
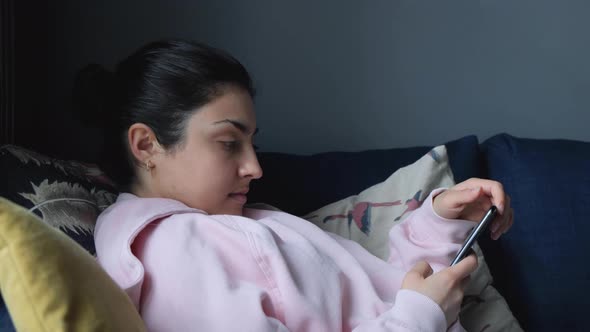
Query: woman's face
{"x": 212, "y": 168}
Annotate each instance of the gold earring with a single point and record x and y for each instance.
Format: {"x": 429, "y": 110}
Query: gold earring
{"x": 149, "y": 166}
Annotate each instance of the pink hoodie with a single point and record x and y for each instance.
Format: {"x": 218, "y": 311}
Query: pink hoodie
{"x": 268, "y": 270}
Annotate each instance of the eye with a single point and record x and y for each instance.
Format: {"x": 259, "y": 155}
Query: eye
{"x": 230, "y": 145}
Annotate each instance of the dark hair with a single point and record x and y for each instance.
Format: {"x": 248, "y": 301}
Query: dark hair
{"x": 160, "y": 85}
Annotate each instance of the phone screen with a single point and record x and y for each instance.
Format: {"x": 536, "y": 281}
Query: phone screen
{"x": 474, "y": 234}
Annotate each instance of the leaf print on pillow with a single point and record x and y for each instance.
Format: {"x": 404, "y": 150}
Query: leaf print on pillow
{"x": 68, "y": 206}
{"x": 25, "y": 156}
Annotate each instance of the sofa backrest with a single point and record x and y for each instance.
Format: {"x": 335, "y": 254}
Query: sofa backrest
{"x": 541, "y": 264}
{"x": 300, "y": 184}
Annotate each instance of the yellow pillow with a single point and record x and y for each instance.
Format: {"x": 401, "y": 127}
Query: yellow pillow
{"x": 50, "y": 283}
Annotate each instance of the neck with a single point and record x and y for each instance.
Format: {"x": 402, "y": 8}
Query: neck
{"x": 142, "y": 188}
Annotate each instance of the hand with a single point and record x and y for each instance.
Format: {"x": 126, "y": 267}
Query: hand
{"x": 445, "y": 287}
{"x": 471, "y": 199}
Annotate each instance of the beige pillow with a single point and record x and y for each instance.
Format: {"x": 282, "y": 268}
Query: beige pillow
{"x": 366, "y": 218}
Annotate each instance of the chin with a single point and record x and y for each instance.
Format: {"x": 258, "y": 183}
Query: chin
{"x": 234, "y": 213}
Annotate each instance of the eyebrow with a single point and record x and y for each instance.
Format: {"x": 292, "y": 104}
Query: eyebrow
{"x": 242, "y": 127}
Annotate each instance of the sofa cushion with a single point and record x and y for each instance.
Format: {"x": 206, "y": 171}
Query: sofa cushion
{"x": 540, "y": 266}
{"x": 50, "y": 283}
{"x": 300, "y": 184}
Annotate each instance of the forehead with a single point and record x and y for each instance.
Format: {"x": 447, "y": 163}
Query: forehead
{"x": 234, "y": 104}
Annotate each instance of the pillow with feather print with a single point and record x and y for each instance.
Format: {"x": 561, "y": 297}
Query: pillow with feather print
{"x": 68, "y": 195}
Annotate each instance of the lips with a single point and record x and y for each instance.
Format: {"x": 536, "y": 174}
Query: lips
{"x": 240, "y": 196}
{"x": 243, "y": 191}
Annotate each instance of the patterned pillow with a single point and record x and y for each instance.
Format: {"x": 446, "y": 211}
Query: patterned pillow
{"x": 367, "y": 218}
{"x": 68, "y": 195}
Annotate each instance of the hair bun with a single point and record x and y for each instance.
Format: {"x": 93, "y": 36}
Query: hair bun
{"x": 94, "y": 95}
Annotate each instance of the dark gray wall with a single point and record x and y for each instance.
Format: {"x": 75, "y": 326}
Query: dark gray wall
{"x": 350, "y": 75}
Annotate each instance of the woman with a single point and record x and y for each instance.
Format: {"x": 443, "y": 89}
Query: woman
{"x": 181, "y": 244}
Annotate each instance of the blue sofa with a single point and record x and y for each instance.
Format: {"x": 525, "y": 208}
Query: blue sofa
{"x": 540, "y": 266}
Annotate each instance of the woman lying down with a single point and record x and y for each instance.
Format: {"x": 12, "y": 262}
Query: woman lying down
{"x": 179, "y": 241}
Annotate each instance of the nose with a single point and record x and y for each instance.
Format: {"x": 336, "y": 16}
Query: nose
{"x": 251, "y": 167}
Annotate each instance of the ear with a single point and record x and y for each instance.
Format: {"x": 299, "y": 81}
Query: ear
{"x": 142, "y": 142}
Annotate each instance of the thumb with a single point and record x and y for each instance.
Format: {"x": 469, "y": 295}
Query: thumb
{"x": 414, "y": 279}
{"x": 423, "y": 269}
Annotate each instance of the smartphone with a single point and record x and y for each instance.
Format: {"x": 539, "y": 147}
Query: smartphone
{"x": 475, "y": 233}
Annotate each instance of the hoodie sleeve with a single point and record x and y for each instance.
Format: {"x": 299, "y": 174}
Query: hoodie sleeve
{"x": 426, "y": 236}
{"x": 422, "y": 236}
{"x": 412, "y": 312}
